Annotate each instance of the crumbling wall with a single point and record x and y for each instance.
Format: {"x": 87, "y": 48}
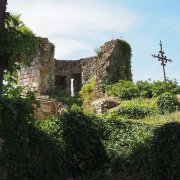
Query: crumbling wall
{"x": 112, "y": 63}
{"x": 39, "y": 77}
{"x": 65, "y": 71}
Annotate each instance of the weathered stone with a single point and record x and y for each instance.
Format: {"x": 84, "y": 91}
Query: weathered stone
{"x": 35, "y": 84}
{"x": 50, "y": 73}
{"x": 101, "y": 105}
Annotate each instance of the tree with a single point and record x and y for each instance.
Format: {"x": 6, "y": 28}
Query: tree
{"x": 2, "y": 27}
{"x": 17, "y": 45}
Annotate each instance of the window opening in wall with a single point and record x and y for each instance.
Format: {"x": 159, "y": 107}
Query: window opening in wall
{"x": 72, "y": 87}
{"x": 77, "y": 83}
{"x": 60, "y": 82}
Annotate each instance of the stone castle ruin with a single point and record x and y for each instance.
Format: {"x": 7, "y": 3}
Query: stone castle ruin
{"x": 112, "y": 63}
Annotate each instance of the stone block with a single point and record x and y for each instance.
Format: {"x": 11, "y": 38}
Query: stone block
{"x": 35, "y": 72}
{"x": 35, "y": 84}
{"x": 26, "y": 84}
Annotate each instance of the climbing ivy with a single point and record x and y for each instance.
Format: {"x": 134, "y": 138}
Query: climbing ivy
{"x": 18, "y": 45}
{"x": 120, "y": 63}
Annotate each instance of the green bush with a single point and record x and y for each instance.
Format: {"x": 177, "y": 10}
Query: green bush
{"x": 168, "y": 103}
{"x": 144, "y": 152}
{"x": 145, "y": 89}
{"x": 66, "y": 98}
{"x": 137, "y": 112}
{"x": 88, "y": 94}
{"x": 16, "y": 115}
{"x": 127, "y": 147}
{"x": 82, "y": 136}
{"x": 46, "y": 153}
{"x": 136, "y": 108}
{"x": 123, "y": 89}
{"x": 165, "y": 148}
{"x": 127, "y": 90}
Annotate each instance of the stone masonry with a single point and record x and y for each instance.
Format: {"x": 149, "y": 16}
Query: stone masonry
{"x": 47, "y": 74}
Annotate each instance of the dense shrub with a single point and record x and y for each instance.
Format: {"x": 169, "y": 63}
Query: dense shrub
{"x": 144, "y": 152}
{"x": 124, "y": 137}
{"x": 122, "y": 89}
{"x": 129, "y": 90}
{"x": 136, "y": 108}
{"x": 16, "y": 115}
{"x": 84, "y": 146}
{"x": 127, "y": 149}
{"x": 88, "y": 94}
{"x": 66, "y": 98}
{"x": 168, "y": 103}
{"x": 136, "y": 112}
{"x": 82, "y": 136}
{"x": 46, "y": 154}
{"x": 166, "y": 152}
{"x": 145, "y": 89}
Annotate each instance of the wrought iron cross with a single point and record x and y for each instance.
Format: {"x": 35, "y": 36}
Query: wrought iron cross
{"x": 163, "y": 59}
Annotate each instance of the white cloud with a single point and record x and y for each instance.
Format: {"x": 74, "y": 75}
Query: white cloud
{"x": 66, "y": 47}
{"x": 77, "y": 19}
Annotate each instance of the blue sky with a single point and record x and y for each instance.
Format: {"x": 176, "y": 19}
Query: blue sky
{"x": 77, "y": 27}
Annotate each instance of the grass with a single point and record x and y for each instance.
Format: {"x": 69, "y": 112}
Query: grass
{"x": 161, "y": 119}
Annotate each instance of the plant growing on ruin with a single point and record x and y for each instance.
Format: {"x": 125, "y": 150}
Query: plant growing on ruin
{"x": 168, "y": 103}
{"x": 87, "y": 93}
{"x": 121, "y": 63}
{"x": 98, "y": 52}
{"x": 18, "y": 44}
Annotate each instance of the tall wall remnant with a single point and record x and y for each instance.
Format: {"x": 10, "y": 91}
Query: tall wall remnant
{"x": 39, "y": 77}
{"x": 112, "y": 63}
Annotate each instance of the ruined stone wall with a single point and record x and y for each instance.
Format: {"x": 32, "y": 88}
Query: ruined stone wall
{"x": 111, "y": 64}
{"x": 65, "y": 71}
{"x": 39, "y": 77}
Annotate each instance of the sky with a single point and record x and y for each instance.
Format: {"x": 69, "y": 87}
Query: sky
{"x": 77, "y": 27}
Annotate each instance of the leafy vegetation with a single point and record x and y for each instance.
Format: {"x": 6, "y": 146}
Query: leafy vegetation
{"x": 88, "y": 93}
{"x": 137, "y": 112}
{"x": 168, "y": 103}
{"x": 121, "y": 63}
{"x": 132, "y": 142}
{"x": 82, "y": 146}
{"x": 16, "y": 115}
{"x": 19, "y": 45}
{"x": 127, "y": 90}
{"x": 66, "y": 98}
{"x": 82, "y": 136}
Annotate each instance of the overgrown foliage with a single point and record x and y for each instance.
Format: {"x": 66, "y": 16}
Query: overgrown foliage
{"x": 82, "y": 136}
{"x": 16, "y": 115}
{"x": 88, "y": 93}
{"x": 98, "y": 52}
{"x": 136, "y": 112}
{"x": 83, "y": 146}
{"x": 66, "y": 98}
{"x": 168, "y": 103}
{"x": 127, "y": 90}
{"x": 166, "y": 152}
{"x": 121, "y": 65}
{"x": 134, "y": 109}
{"x": 18, "y": 45}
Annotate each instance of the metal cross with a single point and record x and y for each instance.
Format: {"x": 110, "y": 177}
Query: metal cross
{"x": 163, "y": 59}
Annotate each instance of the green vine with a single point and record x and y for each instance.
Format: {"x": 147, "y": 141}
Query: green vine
{"x": 120, "y": 65}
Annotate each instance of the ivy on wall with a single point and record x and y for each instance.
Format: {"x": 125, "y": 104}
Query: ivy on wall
{"x": 120, "y": 63}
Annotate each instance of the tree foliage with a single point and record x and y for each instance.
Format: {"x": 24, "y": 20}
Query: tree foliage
{"x": 17, "y": 45}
